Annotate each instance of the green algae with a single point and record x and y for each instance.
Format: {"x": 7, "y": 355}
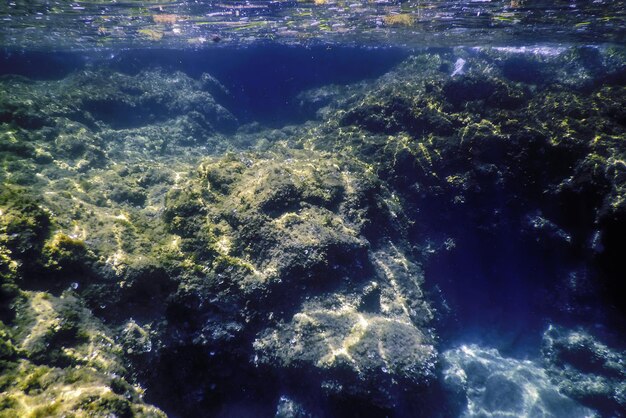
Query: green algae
{"x": 570, "y": 357}
{"x": 63, "y": 252}
{"x": 59, "y": 362}
{"x": 254, "y": 203}
{"x": 8, "y": 350}
{"x": 24, "y": 223}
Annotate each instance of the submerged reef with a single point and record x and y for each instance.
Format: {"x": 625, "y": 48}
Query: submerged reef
{"x": 58, "y": 360}
{"x": 586, "y": 369}
{"x": 282, "y": 243}
{"x": 491, "y": 385}
{"x": 158, "y": 256}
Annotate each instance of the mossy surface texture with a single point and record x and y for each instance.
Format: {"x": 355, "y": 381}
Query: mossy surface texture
{"x": 160, "y": 257}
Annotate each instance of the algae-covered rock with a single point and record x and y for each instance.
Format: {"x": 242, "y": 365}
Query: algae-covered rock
{"x": 59, "y": 331}
{"x": 24, "y": 223}
{"x": 135, "y": 339}
{"x": 75, "y": 143}
{"x": 296, "y": 271}
{"x": 493, "y": 143}
{"x": 61, "y": 361}
{"x": 107, "y": 98}
{"x": 30, "y": 390}
{"x": 8, "y": 350}
{"x": 585, "y": 369}
{"x": 281, "y": 220}
{"x": 288, "y": 408}
{"x": 488, "y": 384}
{"x": 352, "y": 353}
{"x": 288, "y": 238}
{"x": 369, "y": 341}
{"x": 63, "y": 252}
{"x": 489, "y": 91}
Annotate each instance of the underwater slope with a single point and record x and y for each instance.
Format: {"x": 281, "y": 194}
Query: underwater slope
{"x": 154, "y": 250}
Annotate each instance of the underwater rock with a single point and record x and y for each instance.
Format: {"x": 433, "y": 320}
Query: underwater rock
{"x": 290, "y": 234}
{"x": 59, "y": 331}
{"x": 63, "y": 253}
{"x": 270, "y": 221}
{"x": 490, "y": 145}
{"x": 77, "y": 145}
{"x": 491, "y": 385}
{"x": 488, "y": 90}
{"x": 60, "y": 360}
{"x": 353, "y": 354}
{"x": 85, "y": 115}
{"x": 371, "y": 343}
{"x": 288, "y": 408}
{"x": 122, "y": 101}
{"x": 577, "y": 67}
{"x": 321, "y": 99}
{"x": 585, "y": 369}
{"x": 287, "y": 265}
{"x": 136, "y": 339}
{"x": 8, "y": 351}
{"x": 23, "y": 224}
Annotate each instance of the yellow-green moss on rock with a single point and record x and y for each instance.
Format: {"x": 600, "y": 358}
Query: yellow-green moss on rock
{"x": 58, "y": 360}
